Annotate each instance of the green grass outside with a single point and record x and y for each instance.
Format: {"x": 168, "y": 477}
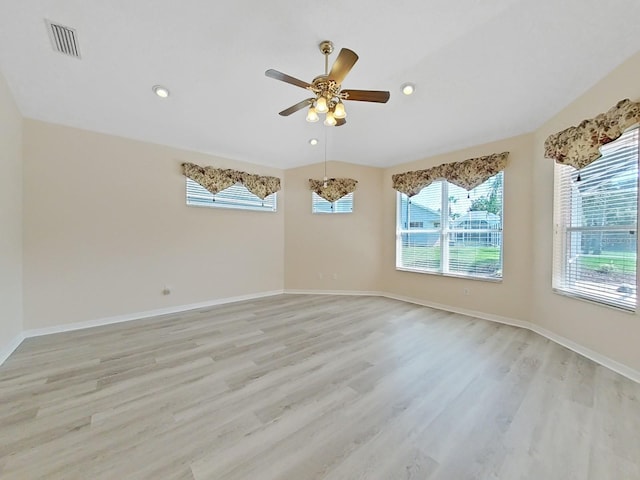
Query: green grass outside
{"x": 430, "y": 256}
{"x": 481, "y": 260}
{"x": 613, "y": 261}
{"x": 462, "y": 254}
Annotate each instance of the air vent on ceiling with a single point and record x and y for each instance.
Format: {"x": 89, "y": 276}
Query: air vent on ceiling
{"x": 63, "y": 39}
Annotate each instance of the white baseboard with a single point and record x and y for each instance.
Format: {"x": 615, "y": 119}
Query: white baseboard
{"x": 462, "y": 311}
{"x": 335, "y": 292}
{"x": 603, "y": 360}
{"x": 6, "y": 351}
{"x": 69, "y": 327}
{"x": 146, "y": 314}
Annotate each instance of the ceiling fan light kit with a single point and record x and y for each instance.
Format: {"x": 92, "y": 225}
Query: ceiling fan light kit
{"x": 321, "y": 105}
{"x": 327, "y": 89}
{"x": 312, "y": 115}
{"x": 330, "y": 120}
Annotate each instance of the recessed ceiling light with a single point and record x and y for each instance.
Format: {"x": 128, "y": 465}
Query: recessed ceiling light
{"x": 313, "y": 141}
{"x": 408, "y": 88}
{"x": 159, "y": 90}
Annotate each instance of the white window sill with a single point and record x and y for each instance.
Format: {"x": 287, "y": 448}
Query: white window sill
{"x": 576, "y": 296}
{"x": 452, "y": 275}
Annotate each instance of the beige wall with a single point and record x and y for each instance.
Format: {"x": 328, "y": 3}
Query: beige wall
{"x": 10, "y": 217}
{"x": 509, "y": 298}
{"x": 333, "y": 251}
{"x": 106, "y": 228}
{"x": 605, "y": 330}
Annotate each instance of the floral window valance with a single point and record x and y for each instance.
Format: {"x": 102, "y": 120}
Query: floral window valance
{"x": 467, "y": 174}
{"x": 579, "y": 146}
{"x": 217, "y": 179}
{"x": 336, "y": 188}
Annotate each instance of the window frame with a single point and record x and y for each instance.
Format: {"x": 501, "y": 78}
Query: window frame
{"x": 315, "y": 199}
{"x": 270, "y": 203}
{"x": 562, "y": 229}
{"x": 446, "y": 232}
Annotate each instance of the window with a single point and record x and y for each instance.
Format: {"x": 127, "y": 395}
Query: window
{"x": 342, "y": 205}
{"x": 236, "y": 196}
{"x": 445, "y": 229}
{"x": 595, "y": 226}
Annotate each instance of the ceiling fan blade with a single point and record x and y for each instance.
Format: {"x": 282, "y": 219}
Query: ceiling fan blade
{"x": 343, "y": 65}
{"x": 286, "y": 78}
{"x": 367, "y": 95}
{"x": 340, "y": 121}
{"x": 296, "y": 107}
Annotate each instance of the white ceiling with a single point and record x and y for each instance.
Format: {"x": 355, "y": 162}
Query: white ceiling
{"x": 483, "y": 69}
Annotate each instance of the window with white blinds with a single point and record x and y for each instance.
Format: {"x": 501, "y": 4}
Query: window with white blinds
{"x": 236, "y": 196}
{"x": 596, "y": 217}
{"x": 342, "y": 205}
{"x": 446, "y": 230}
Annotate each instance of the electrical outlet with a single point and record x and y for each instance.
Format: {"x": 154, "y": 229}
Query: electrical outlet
{"x": 466, "y": 291}
{"x": 320, "y": 276}
{"x": 335, "y": 276}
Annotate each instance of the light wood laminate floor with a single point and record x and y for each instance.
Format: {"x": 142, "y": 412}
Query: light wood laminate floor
{"x": 304, "y": 387}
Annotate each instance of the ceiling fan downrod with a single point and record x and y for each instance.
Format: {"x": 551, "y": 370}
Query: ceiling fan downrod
{"x": 326, "y": 47}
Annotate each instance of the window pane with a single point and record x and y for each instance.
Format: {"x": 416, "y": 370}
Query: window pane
{"x": 475, "y": 223}
{"x": 607, "y": 274}
{"x": 421, "y": 250}
{"x": 477, "y": 208}
{"x": 421, "y": 213}
{"x": 236, "y": 196}
{"x": 422, "y": 210}
{"x": 342, "y": 205}
{"x": 607, "y": 191}
{"x": 476, "y": 260}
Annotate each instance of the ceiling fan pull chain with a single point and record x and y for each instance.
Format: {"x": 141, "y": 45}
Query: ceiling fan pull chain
{"x": 325, "y": 159}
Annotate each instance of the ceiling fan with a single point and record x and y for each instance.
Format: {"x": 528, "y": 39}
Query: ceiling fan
{"x": 327, "y": 88}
